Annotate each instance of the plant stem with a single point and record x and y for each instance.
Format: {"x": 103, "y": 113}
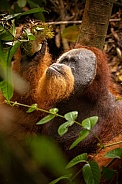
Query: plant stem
{"x": 112, "y": 144}
{"x": 29, "y": 106}
{"x": 46, "y": 111}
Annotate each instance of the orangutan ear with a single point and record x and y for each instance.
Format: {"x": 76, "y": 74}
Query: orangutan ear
{"x": 83, "y": 63}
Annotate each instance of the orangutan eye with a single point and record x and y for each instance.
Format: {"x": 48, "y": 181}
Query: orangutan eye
{"x": 64, "y": 60}
{"x": 73, "y": 60}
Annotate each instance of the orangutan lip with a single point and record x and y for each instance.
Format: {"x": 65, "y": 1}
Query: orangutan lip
{"x": 55, "y": 69}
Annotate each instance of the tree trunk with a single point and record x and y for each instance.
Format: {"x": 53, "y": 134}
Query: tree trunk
{"x": 95, "y": 23}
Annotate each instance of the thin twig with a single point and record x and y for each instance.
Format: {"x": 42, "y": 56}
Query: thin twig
{"x": 76, "y": 22}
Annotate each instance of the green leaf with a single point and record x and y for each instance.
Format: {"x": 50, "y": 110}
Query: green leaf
{"x": 32, "y": 108}
{"x": 63, "y": 128}
{"x": 2, "y": 60}
{"x": 82, "y": 134}
{"x": 116, "y": 153}
{"x": 71, "y": 116}
{"x": 89, "y": 123}
{"x": 6, "y": 52}
{"x": 71, "y": 33}
{"x": 6, "y": 36}
{"x": 13, "y": 28}
{"x": 108, "y": 173}
{"x": 31, "y": 11}
{"x": 21, "y": 3}
{"x": 91, "y": 173}
{"x": 30, "y": 35}
{"x": 80, "y": 158}
{"x": 34, "y": 10}
{"x": 2, "y": 30}
{"x": 46, "y": 119}
{"x": 68, "y": 176}
{"x": 53, "y": 111}
{"x": 39, "y": 15}
{"x": 6, "y": 85}
{"x": 7, "y": 89}
{"x": 12, "y": 51}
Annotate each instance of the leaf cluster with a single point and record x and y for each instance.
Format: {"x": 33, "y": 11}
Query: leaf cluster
{"x": 31, "y": 36}
{"x": 13, "y": 7}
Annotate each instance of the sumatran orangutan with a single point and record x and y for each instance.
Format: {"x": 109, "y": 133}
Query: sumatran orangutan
{"x": 94, "y": 94}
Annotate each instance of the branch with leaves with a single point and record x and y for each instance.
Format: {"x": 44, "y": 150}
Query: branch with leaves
{"x": 90, "y": 166}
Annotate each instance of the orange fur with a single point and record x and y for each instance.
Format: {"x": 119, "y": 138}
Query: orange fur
{"x": 39, "y": 87}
